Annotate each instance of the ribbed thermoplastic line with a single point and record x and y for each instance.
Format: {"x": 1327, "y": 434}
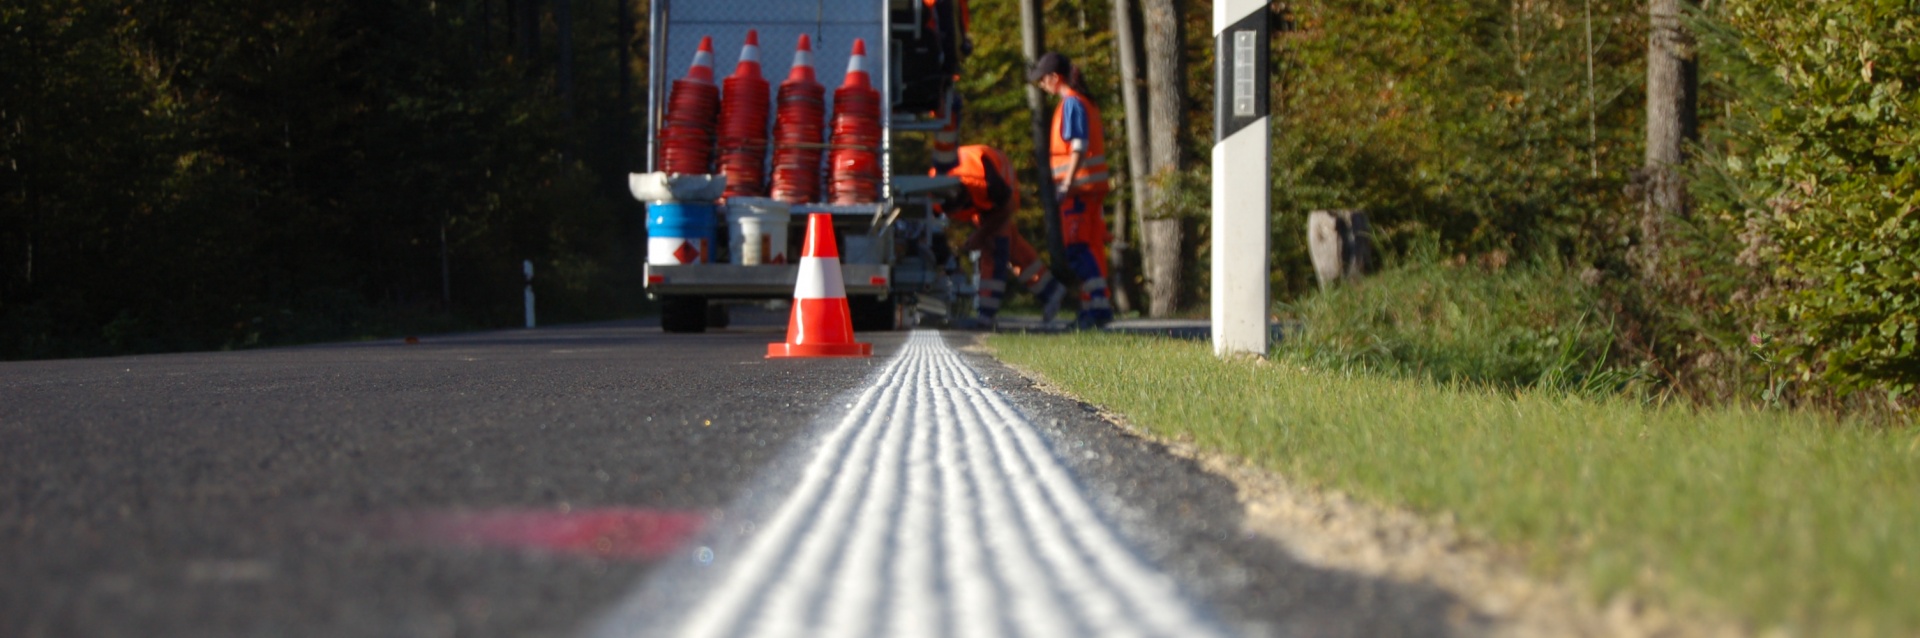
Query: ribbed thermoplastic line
{"x": 934, "y": 509}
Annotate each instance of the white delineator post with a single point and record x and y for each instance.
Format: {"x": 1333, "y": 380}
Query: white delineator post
{"x": 526, "y": 266}
{"x": 1241, "y": 181}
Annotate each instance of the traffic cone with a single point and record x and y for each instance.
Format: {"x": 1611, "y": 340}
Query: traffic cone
{"x": 853, "y": 164}
{"x": 820, "y": 325}
{"x": 802, "y": 70}
{"x": 857, "y": 75}
{"x": 702, "y": 69}
{"x": 749, "y": 64}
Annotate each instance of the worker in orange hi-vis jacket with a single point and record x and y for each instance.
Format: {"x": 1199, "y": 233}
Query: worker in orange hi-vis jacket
{"x": 988, "y": 199}
{"x": 1078, "y": 149}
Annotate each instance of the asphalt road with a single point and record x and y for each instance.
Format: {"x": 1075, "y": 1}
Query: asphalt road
{"x": 563, "y": 481}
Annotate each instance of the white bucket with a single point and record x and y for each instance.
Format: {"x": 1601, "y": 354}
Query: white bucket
{"x": 757, "y": 228}
{"x": 676, "y": 187}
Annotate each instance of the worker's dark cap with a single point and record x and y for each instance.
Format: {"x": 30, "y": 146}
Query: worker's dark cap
{"x": 1052, "y": 62}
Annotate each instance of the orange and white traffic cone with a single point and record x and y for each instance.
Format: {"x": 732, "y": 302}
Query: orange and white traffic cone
{"x": 820, "y": 325}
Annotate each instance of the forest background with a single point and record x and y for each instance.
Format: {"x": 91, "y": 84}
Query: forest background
{"x": 177, "y": 175}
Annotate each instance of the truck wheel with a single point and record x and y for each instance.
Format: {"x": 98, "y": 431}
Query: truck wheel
{"x": 683, "y": 314}
{"x": 718, "y": 317}
{"x": 872, "y": 314}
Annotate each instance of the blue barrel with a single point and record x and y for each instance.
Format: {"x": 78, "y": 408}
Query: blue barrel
{"x": 680, "y": 232}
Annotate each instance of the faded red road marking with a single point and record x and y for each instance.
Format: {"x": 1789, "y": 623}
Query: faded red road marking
{"x": 612, "y": 533}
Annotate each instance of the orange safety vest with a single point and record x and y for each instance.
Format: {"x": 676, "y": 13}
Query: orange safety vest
{"x": 972, "y": 173}
{"x": 1093, "y": 164}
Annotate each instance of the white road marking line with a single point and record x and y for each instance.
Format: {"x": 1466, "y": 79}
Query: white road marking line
{"x": 934, "y": 509}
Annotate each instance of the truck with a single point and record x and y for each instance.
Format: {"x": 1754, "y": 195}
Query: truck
{"x": 888, "y": 263}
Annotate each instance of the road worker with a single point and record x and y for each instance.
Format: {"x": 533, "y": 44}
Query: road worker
{"x": 988, "y": 199}
{"x": 1079, "y": 160}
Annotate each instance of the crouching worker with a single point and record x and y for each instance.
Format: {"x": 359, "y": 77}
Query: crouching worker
{"x": 988, "y": 198}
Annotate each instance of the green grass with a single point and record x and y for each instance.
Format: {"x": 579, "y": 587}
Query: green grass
{"x": 1524, "y": 326}
{"x": 1783, "y": 520}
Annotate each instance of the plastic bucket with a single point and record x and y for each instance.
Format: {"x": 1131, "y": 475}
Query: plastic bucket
{"x": 679, "y": 233}
{"x": 757, "y": 228}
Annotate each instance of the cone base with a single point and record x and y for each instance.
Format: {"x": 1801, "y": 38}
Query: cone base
{"x": 813, "y": 350}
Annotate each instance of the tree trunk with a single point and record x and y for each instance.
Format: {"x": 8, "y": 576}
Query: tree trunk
{"x": 525, "y": 17}
{"x": 1672, "y": 122}
{"x": 563, "y": 21}
{"x": 1165, "y": 101}
{"x": 623, "y": 53}
{"x": 1162, "y": 257}
{"x": 1127, "y": 51}
{"x": 1165, "y": 95}
{"x": 1033, "y": 42}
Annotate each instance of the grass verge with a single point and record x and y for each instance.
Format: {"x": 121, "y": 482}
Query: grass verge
{"x": 1781, "y": 520}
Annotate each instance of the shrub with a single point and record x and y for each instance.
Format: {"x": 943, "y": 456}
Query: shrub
{"x": 1486, "y": 324}
{"x": 1825, "y": 156}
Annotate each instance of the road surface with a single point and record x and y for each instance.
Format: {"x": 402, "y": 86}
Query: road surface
{"x": 611, "y": 480}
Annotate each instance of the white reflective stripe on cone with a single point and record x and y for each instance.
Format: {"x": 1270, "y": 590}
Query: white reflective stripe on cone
{"x": 819, "y": 279}
{"x": 1096, "y": 283}
{"x": 994, "y": 285}
{"x": 1099, "y": 303}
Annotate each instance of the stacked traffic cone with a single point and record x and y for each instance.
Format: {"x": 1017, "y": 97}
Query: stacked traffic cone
{"x": 821, "y": 325}
{"x": 798, "y": 131}
{"x": 743, "y": 124}
{"x": 686, "y": 135}
{"x": 855, "y": 160}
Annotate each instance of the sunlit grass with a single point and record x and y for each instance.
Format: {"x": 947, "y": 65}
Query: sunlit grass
{"x": 1779, "y": 519}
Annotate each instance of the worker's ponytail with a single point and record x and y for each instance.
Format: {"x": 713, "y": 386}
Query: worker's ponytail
{"x": 1075, "y": 80}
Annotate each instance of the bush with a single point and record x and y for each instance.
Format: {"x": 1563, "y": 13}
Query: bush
{"x": 1824, "y": 159}
{"x": 1485, "y": 324}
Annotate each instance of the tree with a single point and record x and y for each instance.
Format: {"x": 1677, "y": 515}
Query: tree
{"x": 1127, "y": 50}
{"x": 1165, "y": 101}
{"x": 1672, "y": 123}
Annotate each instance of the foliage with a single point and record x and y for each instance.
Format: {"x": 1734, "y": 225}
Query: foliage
{"x": 1183, "y": 194}
{"x": 175, "y": 175}
{"x": 1469, "y": 120}
{"x": 1816, "y": 177}
{"x": 1491, "y": 324}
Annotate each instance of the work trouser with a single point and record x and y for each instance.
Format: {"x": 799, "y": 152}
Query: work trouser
{"x": 1083, "y": 228}
{"x": 996, "y": 270}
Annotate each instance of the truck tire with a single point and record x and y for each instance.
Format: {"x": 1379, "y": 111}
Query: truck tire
{"x": 873, "y": 314}
{"x": 718, "y": 318}
{"x": 683, "y": 314}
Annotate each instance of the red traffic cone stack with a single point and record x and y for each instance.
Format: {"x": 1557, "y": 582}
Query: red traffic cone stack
{"x": 798, "y": 130}
{"x": 855, "y": 160}
{"x": 821, "y": 325}
{"x": 743, "y": 124}
{"x": 686, "y": 137}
